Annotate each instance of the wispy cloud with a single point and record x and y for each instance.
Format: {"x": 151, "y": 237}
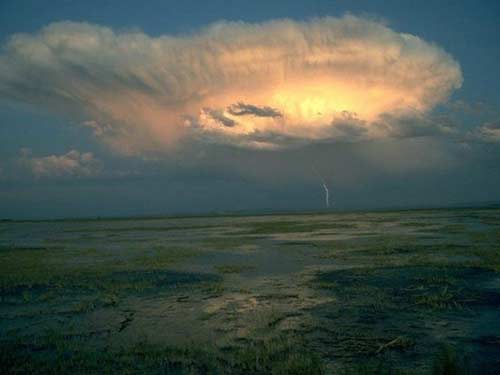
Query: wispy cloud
{"x": 488, "y": 132}
{"x": 232, "y": 82}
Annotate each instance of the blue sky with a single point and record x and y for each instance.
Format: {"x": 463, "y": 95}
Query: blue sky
{"x": 433, "y": 168}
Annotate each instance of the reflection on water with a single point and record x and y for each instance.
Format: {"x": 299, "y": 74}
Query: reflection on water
{"x": 351, "y": 286}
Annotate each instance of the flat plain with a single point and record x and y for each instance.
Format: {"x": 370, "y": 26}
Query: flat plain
{"x": 402, "y": 292}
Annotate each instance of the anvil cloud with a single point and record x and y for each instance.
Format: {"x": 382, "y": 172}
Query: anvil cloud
{"x": 254, "y": 85}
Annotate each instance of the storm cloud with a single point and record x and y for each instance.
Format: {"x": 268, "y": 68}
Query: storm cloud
{"x": 243, "y": 84}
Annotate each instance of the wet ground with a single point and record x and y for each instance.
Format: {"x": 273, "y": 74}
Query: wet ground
{"x": 410, "y": 292}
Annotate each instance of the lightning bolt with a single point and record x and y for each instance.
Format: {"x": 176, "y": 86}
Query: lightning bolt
{"x": 325, "y": 187}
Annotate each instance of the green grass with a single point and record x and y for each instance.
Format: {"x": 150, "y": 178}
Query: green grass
{"x": 38, "y": 270}
{"x": 227, "y": 242}
{"x": 288, "y": 226}
{"x": 448, "y": 362}
{"x": 441, "y": 299}
{"x": 234, "y": 268}
{"x": 65, "y": 354}
{"x": 376, "y": 368}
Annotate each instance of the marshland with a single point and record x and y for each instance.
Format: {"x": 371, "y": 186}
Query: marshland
{"x": 393, "y": 292}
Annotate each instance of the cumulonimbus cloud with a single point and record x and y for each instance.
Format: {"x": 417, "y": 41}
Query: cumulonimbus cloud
{"x": 255, "y": 85}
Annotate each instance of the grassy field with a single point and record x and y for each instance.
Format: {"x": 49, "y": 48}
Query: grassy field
{"x": 410, "y": 292}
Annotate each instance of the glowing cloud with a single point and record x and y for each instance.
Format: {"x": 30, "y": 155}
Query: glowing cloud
{"x": 256, "y": 85}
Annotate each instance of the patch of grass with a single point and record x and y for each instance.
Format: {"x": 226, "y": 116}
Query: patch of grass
{"x": 378, "y": 301}
{"x": 386, "y": 289}
{"x": 454, "y": 228}
{"x": 207, "y": 315}
{"x": 84, "y": 306}
{"x": 289, "y": 226}
{"x": 30, "y": 274}
{"x": 324, "y": 285}
{"x": 161, "y": 258}
{"x": 372, "y": 367}
{"x": 442, "y": 299}
{"x": 400, "y": 343}
{"x": 417, "y": 224}
{"x": 278, "y": 356}
{"x": 227, "y": 242}
{"x": 66, "y": 354}
{"x": 449, "y": 362}
{"x": 214, "y": 289}
{"x": 129, "y": 229}
{"x": 234, "y": 268}
{"x": 14, "y": 248}
{"x": 488, "y": 256}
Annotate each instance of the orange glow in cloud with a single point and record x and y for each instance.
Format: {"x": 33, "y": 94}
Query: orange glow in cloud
{"x": 251, "y": 85}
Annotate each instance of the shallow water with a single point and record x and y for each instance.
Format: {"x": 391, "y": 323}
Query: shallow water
{"x": 356, "y": 287}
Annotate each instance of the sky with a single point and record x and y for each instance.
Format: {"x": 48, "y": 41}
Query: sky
{"x": 116, "y": 108}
